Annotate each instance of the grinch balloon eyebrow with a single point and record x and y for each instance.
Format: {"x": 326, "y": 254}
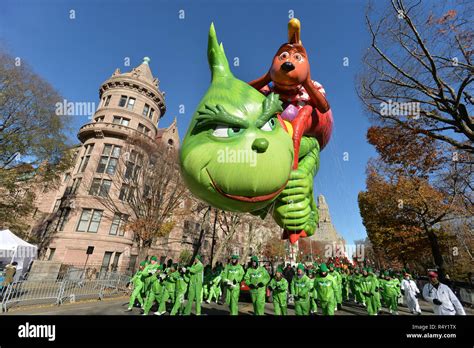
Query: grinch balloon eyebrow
{"x": 271, "y": 106}
{"x": 211, "y": 115}
{"x": 214, "y": 115}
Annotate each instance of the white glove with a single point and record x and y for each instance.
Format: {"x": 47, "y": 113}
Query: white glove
{"x": 152, "y": 271}
{"x": 162, "y": 276}
{"x": 184, "y": 269}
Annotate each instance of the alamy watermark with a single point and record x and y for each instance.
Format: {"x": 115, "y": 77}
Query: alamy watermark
{"x": 229, "y": 155}
{"x": 394, "y": 108}
{"x": 69, "y": 108}
{"x": 354, "y": 251}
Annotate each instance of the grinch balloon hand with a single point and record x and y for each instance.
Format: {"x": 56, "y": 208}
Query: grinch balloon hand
{"x": 237, "y": 154}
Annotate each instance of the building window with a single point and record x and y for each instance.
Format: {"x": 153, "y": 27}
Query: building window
{"x": 106, "y": 261}
{"x": 67, "y": 176}
{"x": 56, "y": 205}
{"x": 146, "y": 108}
{"x": 51, "y": 253}
{"x": 152, "y": 111}
{"x": 123, "y": 101}
{"x": 89, "y": 220}
{"x": 107, "y": 101}
{"x": 123, "y": 192}
{"x": 100, "y": 187}
{"x": 118, "y": 224}
{"x": 121, "y": 120}
{"x": 131, "y": 103}
{"x": 85, "y": 158}
{"x": 75, "y": 185}
{"x": 99, "y": 119}
{"x": 63, "y": 217}
{"x": 116, "y": 261}
{"x": 143, "y": 129}
{"x": 108, "y": 160}
{"x": 133, "y": 165}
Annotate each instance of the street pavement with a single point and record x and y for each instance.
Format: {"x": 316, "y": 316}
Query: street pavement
{"x": 117, "y": 306}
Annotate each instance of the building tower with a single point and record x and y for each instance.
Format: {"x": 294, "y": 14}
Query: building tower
{"x": 81, "y": 228}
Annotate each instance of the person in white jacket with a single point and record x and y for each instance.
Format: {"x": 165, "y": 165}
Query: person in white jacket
{"x": 410, "y": 290}
{"x": 441, "y": 296}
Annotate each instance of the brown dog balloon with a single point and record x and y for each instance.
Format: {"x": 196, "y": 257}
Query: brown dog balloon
{"x": 304, "y": 100}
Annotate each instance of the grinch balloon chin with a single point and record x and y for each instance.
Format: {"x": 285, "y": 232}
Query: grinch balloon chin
{"x": 236, "y": 155}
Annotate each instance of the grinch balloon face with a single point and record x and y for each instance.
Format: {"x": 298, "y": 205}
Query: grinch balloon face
{"x": 236, "y": 155}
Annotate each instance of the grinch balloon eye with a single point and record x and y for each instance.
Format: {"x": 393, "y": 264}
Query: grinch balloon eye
{"x": 226, "y": 131}
{"x": 234, "y": 131}
{"x": 269, "y": 126}
{"x": 284, "y": 56}
{"x": 221, "y": 132}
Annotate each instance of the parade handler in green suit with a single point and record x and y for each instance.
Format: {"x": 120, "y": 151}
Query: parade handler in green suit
{"x": 181, "y": 286}
{"x": 326, "y": 288}
{"x": 257, "y": 279}
{"x": 300, "y": 289}
{"x": 169, "y": 284}
{"x": 195, "y": 273}
{"x": 391, "y": 292}
{"x": 155, "y": 292}
{"x": 231, "y": 277}
{"x": 368, "y": 286}
{"x": 137, "y": 282}
{"x": 279, "y": 287}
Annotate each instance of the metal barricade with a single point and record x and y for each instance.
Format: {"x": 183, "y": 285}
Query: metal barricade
{"x": 45, "y": 292}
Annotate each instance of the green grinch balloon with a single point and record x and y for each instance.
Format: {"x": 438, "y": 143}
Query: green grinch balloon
{"x": 238, "y": 153}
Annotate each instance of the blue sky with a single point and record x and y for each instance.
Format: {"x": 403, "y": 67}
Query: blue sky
{"x": 77, "y": 55}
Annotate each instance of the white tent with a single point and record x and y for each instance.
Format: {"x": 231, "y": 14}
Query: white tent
{"x": 13, "y": 248}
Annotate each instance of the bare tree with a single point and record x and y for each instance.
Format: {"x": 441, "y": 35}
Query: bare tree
{"x": 146, "y": 191}
{"x": 418, "y": 70}
{"x": 228, "y": 223}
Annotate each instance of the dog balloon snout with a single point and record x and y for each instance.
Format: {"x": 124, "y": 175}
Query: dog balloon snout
{"x": 288, "y": 66}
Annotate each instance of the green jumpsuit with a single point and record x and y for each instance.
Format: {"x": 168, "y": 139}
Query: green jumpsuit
{"x": 215, "y": 286}
{"x": 257, "y": 280}
{"x": 345, "y": 286}
{"x": 338, "y": 292}
{"x": 357, "y": 278}
{"x": 381, "y": 285}
{"x": 313, "y": 294}
{"x": 391, "y": 292}
{"x": 181, "y": 286}
{"x": 234, "y": 275}
{"x": 169, "y": 284}
{"x": 195, "y": 273}
{"x": 367, "y": 288}
{"x": 300, "y": 289}
{"x": 280, "y": 295}
{"x": 137, "y": 281}
{"x": 326, "y": 289}
{"x": 156, "y": 290}
{"x": 206, "y": 283}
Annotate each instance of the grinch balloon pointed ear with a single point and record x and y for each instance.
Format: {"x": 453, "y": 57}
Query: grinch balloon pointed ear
{"x": 216, "y": 56}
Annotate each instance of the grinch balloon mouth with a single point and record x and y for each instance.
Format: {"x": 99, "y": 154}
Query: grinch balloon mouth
{"x": 250, "y": 199}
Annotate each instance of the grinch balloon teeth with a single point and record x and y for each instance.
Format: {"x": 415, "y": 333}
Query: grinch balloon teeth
{"x": 237, "y": 154}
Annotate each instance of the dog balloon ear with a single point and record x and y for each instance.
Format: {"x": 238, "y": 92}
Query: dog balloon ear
{"x": 294, "y": 31}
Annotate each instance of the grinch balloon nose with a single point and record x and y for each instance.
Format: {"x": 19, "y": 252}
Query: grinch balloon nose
{"x": 237, "y": 155}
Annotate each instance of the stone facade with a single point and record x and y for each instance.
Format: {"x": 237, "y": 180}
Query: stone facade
{"x": 326, "y": 232}
{"x": 73, "y": 220}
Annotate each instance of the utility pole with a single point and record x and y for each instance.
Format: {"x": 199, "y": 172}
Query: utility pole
{"x": 216, "y": 213}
